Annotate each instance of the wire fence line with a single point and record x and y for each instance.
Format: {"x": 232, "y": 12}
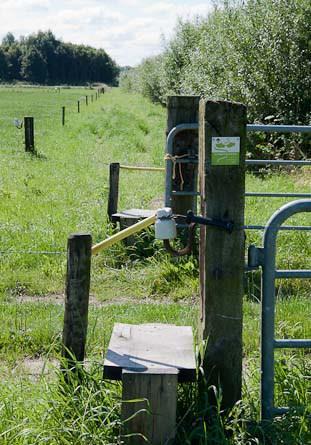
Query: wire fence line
{"x": 32, "y": 252}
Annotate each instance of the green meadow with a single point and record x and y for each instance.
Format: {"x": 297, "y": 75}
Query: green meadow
{"x": 63, "y": 189}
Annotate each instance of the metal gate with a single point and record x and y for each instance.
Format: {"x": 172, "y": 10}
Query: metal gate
{"x": 265, "y": 257}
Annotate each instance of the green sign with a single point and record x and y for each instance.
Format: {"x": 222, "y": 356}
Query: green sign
{"x": 226, "y": 151}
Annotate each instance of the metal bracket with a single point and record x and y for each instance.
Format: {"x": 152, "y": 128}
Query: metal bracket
{"x": 226, "y": 225}
{"x": 255, "y": 256}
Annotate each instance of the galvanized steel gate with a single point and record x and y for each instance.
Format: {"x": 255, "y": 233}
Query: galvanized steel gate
{"x": 265, "y": 257}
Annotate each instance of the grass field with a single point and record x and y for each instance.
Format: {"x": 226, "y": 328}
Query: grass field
{"x": 63, "y": 190}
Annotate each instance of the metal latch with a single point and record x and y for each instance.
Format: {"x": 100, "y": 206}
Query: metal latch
{"x": 226, "y": 225}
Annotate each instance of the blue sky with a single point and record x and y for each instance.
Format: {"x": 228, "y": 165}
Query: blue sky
{"x": 128, "y": 30}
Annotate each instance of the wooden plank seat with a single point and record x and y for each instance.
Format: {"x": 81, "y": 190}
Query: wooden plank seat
{"x": 150, "y": 359}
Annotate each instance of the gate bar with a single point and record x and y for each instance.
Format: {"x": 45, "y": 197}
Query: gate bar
{"x": 292, "y": 343}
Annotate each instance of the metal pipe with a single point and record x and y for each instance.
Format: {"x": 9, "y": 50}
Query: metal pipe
{"x": 279, "y": 195}
{"x": 276, "y": 162}
{"x": 259, "y": 227}
{"x": 279, "y": 128}
{"x": 292, "y": 343}
{"x": 169, "y": 163}
{"x": 293, "y": 274}
{"x": 186, "y": 250}
{"x": 123, "y": 234}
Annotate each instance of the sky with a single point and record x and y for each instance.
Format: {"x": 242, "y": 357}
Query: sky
{"x": 128, "y": 30}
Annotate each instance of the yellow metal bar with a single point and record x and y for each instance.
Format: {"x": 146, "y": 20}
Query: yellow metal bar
{"x": 147, "y": 169}
{"x": 123, "y": 234}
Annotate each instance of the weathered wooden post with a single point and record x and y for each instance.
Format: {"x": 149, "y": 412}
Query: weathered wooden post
{"x": 63, "y": 116}
{"x": 77, "y": 297}
{"x": 86, "y": 100}
{"x": 181, "y": 110}
{"x": 78, "y": 106}
{"x": 29, "y": 134}
{"x": 222, "y": 135}
{"x": 114, "y": 172}
{"x": 156, "y": 419}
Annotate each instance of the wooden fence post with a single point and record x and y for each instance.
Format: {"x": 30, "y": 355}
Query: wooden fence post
{"x": 78, "y": 106}
{"x": 114, "y": 172}
{"x": 86, "y": 100}
{"x": 222, "y": 138}
{"x": 181, "y": 110}
{"x": 63, "y": 116}
{"x": 77, "y": 296}
{"x": 29, "y": 134}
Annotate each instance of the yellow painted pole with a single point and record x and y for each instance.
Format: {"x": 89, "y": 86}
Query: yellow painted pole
{"x": 147, "y": 169}
{"x": 123, "y": 234}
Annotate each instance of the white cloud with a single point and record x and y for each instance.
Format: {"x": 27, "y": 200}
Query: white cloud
{"x": 128, "y": 30}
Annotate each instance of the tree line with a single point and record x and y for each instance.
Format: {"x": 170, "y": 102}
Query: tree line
{"x": 44, "y": 59}
{"x": 256, "y": 52}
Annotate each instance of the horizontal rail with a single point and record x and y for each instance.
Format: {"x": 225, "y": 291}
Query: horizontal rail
{"x": 123, "y": 234}
{"x": 292, "y": 343}
{"x": 260, "y": 227}
{"x": 185, "y": 193}
{"x": 292, "y": 274}
{"x": 142, "y": 168}
{"x": 279, "y": 195}
{"x": 276, "y": 162}
{"x": 279, "y": 128}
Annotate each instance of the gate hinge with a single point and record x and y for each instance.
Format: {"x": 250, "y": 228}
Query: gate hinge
{"x": 255, "y": 256}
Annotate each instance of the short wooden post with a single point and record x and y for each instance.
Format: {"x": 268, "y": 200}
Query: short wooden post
{"x": 78, "y": 106}
{"x": 63, "y": 116}
{"x": 29, "y": 134}
{"x": 86, "y": 100}
{"x": 77, "y": 296}
{"x": 156, "y": 395}
{"x": 222, "y": 182}
{"x": 182, "y": 110}
{"x": 114, "y": 172}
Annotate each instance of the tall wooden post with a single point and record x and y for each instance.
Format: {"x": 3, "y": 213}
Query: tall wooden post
{"x": 222, "y": 135}
{"x": 78, "y": 106}
{"x": 86, "y": 100}
{"x": 77, "y": 296}
{"x": 181, "y": 110}
{"x": 114, "y": 172}
{"x": 29, "y": 134}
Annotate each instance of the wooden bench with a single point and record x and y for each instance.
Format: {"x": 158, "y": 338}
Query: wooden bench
{"x": 150, "y": 359}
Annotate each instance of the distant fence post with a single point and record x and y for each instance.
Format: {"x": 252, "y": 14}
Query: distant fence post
{"x": 222, "y": 182}
{"x": 78, "y": 106}
{"x": 77, "y": 297}
{"x": 86, "y": 100}
{"x": 114, "y": 172}
{"x": 181, "y": 110}
{"x": 29, "y": 134}
{"x": 63, "y": 116}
